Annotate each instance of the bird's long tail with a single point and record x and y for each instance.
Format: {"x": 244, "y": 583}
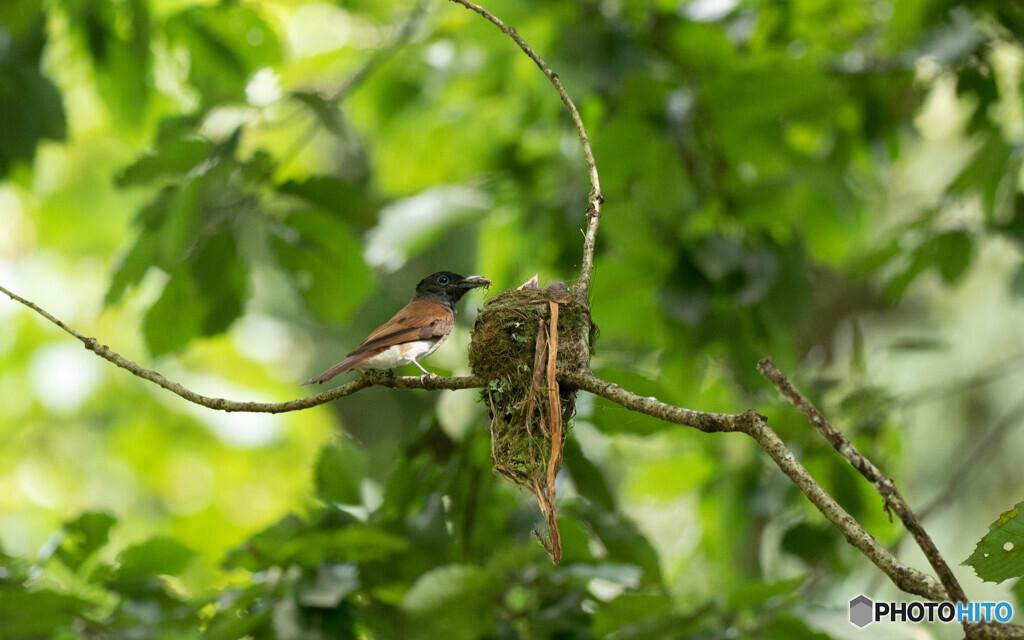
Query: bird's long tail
{"x": 347, "y": 364}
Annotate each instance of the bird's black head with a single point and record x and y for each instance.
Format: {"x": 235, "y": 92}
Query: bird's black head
{"x": 445, "y": 287}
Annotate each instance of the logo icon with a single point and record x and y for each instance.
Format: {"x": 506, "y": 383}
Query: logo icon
{"x": 861, "y": 611}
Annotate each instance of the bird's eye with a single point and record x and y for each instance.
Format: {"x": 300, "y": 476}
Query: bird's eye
{"x": 442, "y": 280}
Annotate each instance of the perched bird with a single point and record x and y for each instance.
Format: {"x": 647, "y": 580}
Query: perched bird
{"x": 415, "y": 331}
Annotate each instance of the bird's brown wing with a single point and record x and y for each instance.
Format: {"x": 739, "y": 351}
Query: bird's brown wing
{"x": 418, "y": 320}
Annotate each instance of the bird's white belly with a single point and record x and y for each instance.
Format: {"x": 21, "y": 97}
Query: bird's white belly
{"x": 402, "y": 354}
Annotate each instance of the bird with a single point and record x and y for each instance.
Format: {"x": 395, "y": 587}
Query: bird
{"x": 413, "y": 333}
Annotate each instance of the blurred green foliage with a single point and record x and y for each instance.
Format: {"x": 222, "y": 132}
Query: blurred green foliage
{"x": 242, "y": 189}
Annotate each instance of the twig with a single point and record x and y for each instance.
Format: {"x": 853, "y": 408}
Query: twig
{"x": 369, "y": 379}
{"x": 381, "y": 55}
{"x": 963, "y": 473}
{"x": 990, "y": 374}
{"x": 884, "y": 485}
{"x": 595, "y": 199}
{"x": 355, "y": 80}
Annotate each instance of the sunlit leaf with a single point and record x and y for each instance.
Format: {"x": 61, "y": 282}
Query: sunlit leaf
{"x": 999, "y": 555}
{"x": 31, "y": 109}
{"x": 339, "y": 471}
{"x": 175, "y": 318}
{"x": 345, "y": 199}
{"x": 452, "y": 601}
{"x": 27, "y": 614}
{"x": 325, "y": 265}
{"x": 587, "y": 476}
{"x": 84, "y": 536}
{"x": 156, "y": 556}
{"x": 621, "y": 537}
{"x": 227, "y": 43}
{"x": 333, "y": 583}
{"x": 172, "y": 159}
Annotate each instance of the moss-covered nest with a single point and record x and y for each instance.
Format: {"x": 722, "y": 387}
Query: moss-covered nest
{"x": 509, "y": 350}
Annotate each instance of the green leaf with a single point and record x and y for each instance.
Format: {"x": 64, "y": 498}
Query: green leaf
{"x": 325, "y": 265}
{"x": 754, "y": 594}
{"x": 812, "y": 543}
{"x": 999, "y": 555}
{"x": 646, "y": 615}
{"x": 170, "y": 160}
{"x": 242, "y": 612}
{"x": 133, "y": 267}
{"x": 587, "y": 478}
{"x": 345, "y": 199}
{"x": 339, "y": 472}
{"x": 175, "y": 318}
{"x": 201, "y": 299}
{"x": 117, "y": 36}
{"x": 26, "y": 614}
{"x": 1017, "y": 282}
{"x": 788, "y": 627}
{"x": 221, "y": 280}
{"x": 620, "y": 537}
{"x": 951, "y": 251}
{"x": 612, "y": 418}
{"x": 227, "y": 43}
{"x": 31, "y": 109}
{"x": 453, "y": 602}
{"x": 154, "y": 557}
{"x": 264, "y": 549}
{"x": 84, "y": 536}
{"x": 333, "y": 583}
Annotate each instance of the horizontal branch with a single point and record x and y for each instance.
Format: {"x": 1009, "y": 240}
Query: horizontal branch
{"x": 368, "y": 379}
{"x": 701, "y": 420}
{"x": 750, "y": 422}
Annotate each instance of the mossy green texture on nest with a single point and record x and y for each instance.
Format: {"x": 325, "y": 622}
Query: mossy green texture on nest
{"x": 503, "y": 351}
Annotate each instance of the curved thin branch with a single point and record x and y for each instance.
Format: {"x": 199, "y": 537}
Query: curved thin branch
{"x": 368, "y": 379}
{"x": 596, "y": 199}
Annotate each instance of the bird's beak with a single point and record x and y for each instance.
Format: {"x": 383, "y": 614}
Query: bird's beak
{"x": 471, "y": 282}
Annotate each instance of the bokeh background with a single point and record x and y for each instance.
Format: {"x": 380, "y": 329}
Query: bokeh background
{"x": 234, "y": 193}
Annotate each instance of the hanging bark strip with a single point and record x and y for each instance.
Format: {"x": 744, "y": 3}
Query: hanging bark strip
{"x": 555, "y": 427}
{"x": 538, "y": 375}
{"x": 552, "y": 428}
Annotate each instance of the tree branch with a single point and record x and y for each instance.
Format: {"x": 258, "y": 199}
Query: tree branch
{"x": 595, "y": 200}
{"x": 756, "y": 426}
{"x": 751, "y": 423}
{"x": 368, "y": 379}
{"x": 884, "y": 485}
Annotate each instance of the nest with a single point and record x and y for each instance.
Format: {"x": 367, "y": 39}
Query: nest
{"x": 521, "y": 340}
